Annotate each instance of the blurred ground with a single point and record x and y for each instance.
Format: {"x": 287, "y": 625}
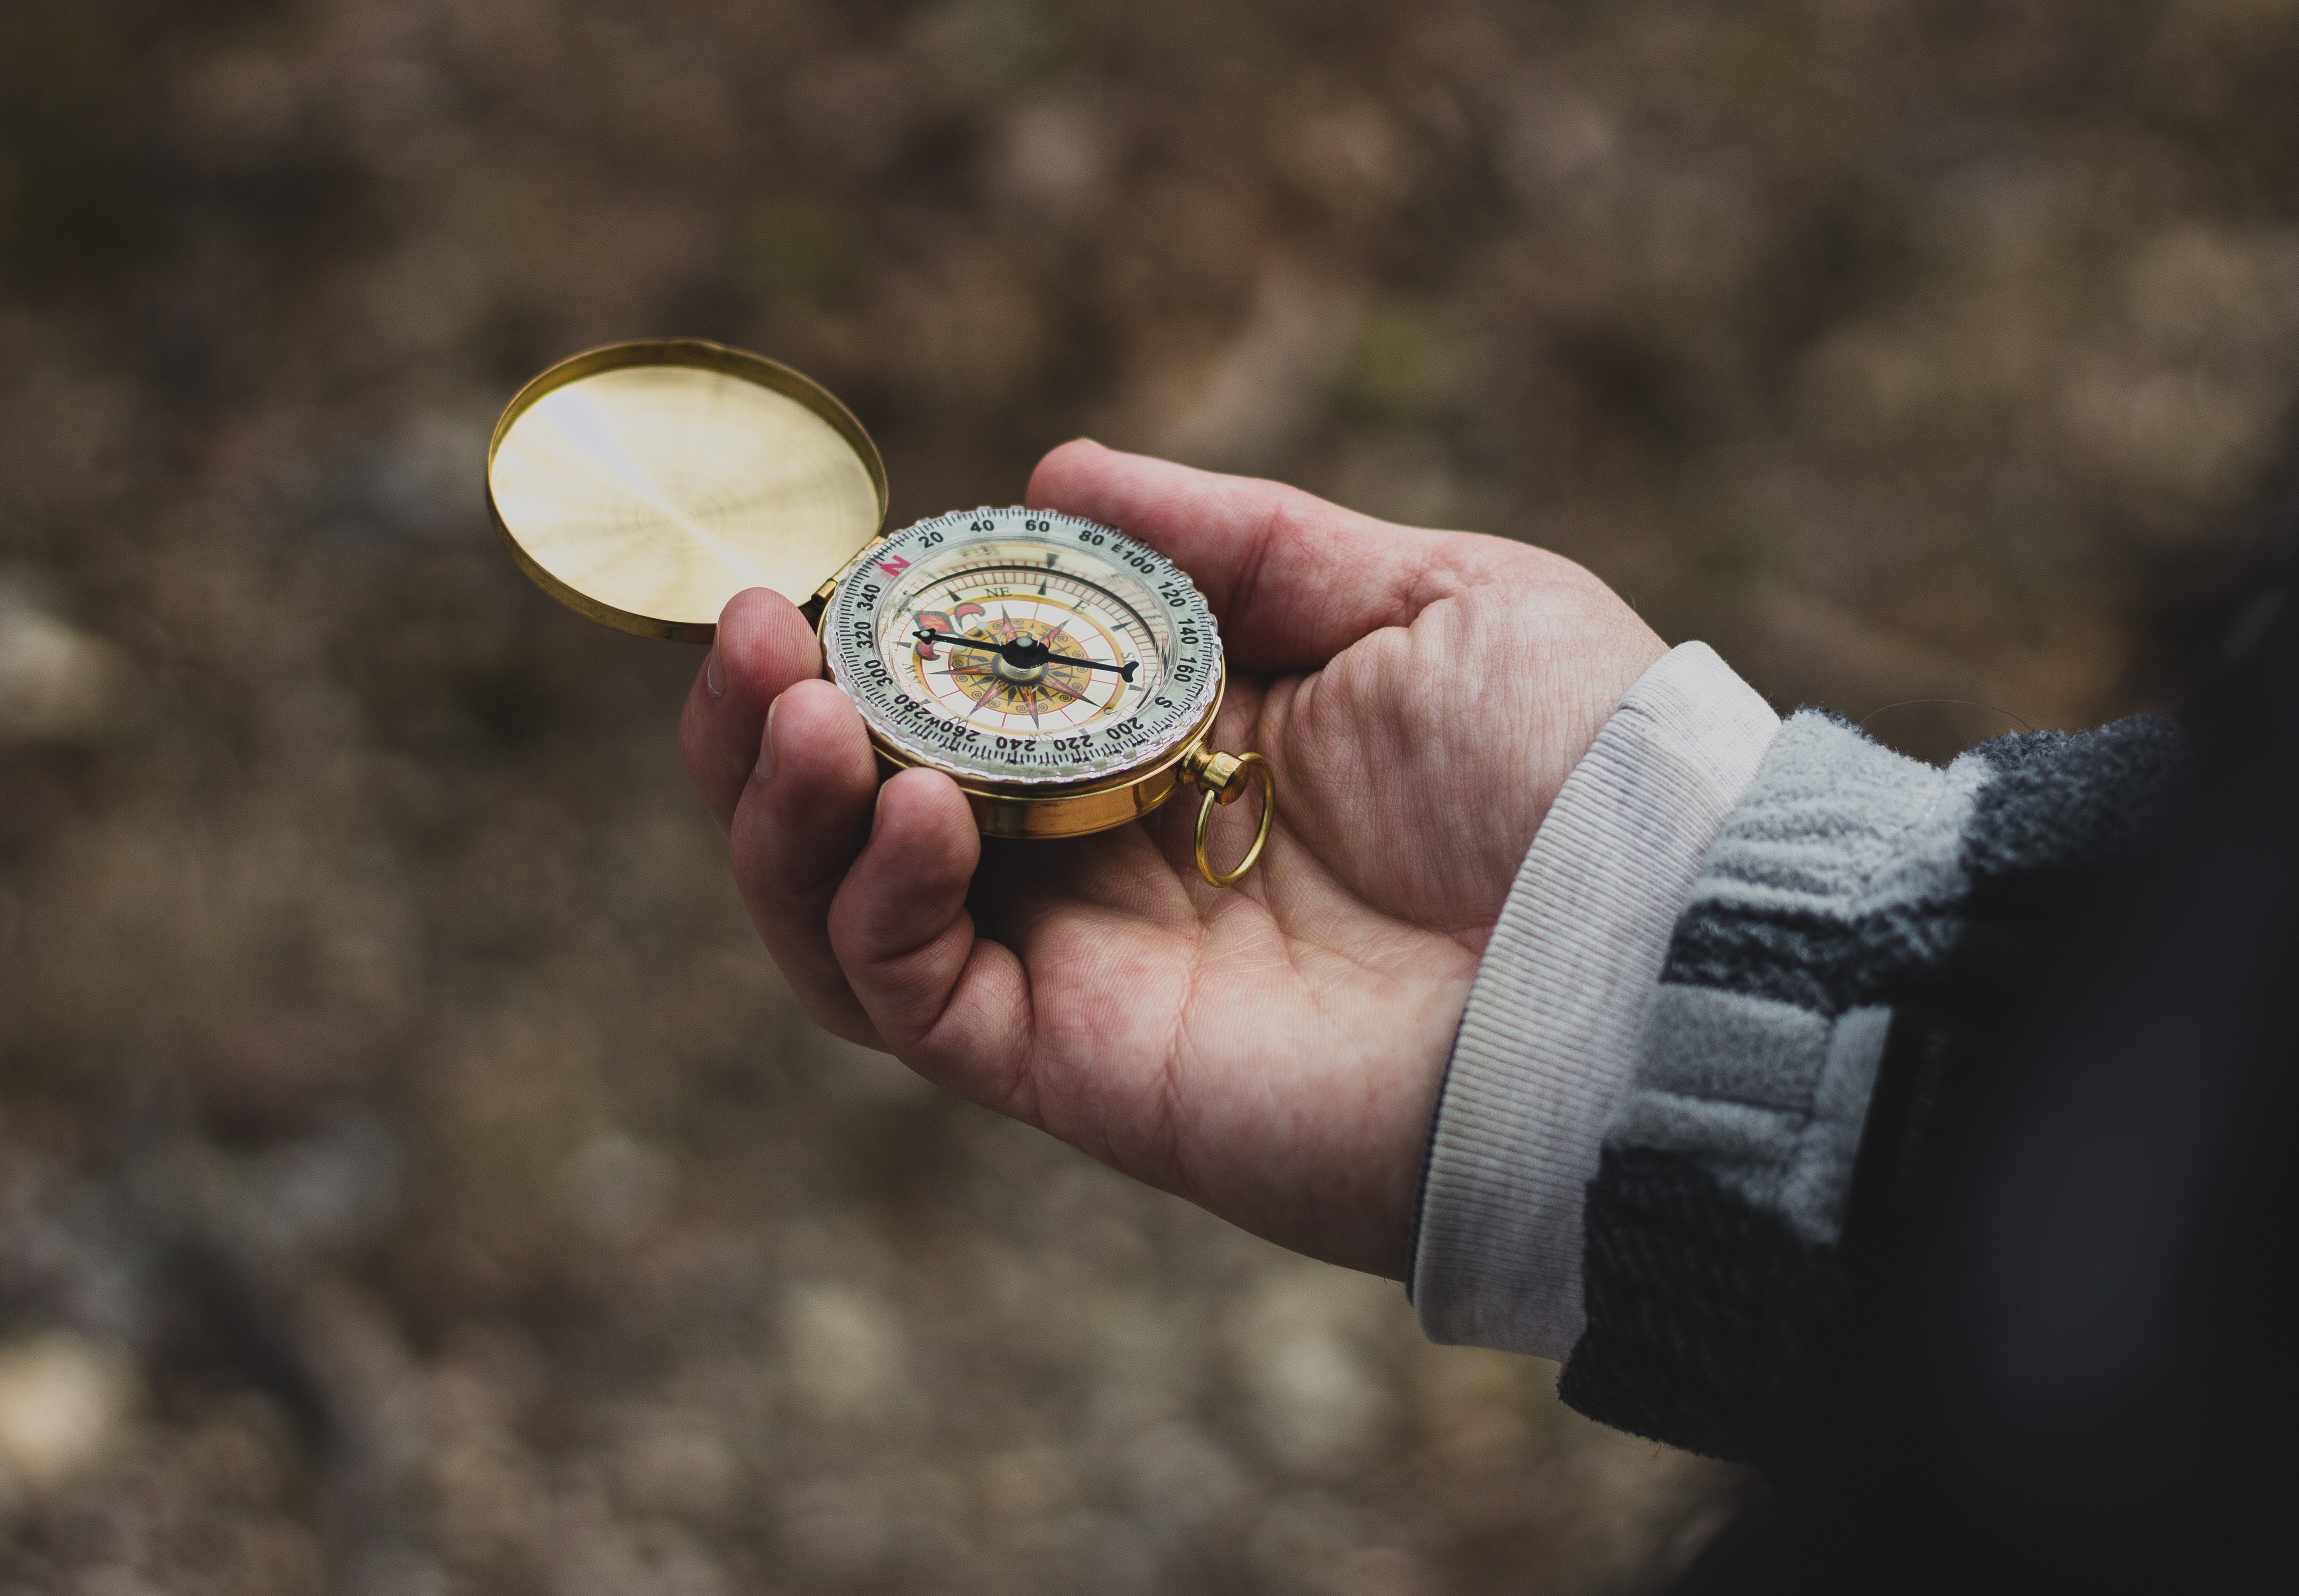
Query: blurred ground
{"x": 411, "y": 1178}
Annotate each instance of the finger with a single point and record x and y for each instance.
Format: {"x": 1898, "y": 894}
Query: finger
{"x": 955, "y": 1007}
{"x": 763, "y": 646}
{"x": 804, "y": 814}
{"x": 1293, "y": 579}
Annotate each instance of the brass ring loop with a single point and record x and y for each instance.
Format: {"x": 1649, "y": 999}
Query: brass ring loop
{"x": 1261, "y": 833}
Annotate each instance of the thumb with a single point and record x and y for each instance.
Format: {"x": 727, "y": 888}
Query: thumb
{"x": 1292, "y": 578}
{"x": 953, "y": 1006}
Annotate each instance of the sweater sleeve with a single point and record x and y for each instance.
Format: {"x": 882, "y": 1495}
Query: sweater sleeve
{"x": 1849, "y": 889}
{"x": 1548, "y": 1040}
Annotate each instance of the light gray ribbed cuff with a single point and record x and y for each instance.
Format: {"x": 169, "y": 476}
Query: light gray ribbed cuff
{"x": 1548, "y": 1041}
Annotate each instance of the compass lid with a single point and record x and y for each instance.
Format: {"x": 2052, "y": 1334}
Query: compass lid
{"x": 644, "y": 485}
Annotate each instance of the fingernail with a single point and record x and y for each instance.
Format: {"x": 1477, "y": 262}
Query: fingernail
{"x": 767, "y": 745}
{"x": 714, "y": 676}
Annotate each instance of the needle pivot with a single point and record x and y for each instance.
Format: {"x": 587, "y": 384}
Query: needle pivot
{"x": 1028, "y": 653}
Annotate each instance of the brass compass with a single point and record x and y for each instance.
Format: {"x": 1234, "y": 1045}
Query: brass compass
{"x": 1064, "y": 675}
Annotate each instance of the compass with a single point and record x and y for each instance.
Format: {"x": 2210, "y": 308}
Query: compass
{"x": 1064, "y": 675}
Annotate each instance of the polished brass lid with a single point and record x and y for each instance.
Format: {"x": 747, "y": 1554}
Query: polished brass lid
{"x": 644, "y": 485}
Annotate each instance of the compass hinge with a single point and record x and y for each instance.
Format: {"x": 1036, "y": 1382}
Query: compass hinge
{"x": 1215, "y": 773}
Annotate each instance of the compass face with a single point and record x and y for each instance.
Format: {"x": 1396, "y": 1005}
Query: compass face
{"x": 1019, "y": 646}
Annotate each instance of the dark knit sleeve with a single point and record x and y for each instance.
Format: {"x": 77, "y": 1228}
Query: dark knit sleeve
{"x": 1850, "y": 889}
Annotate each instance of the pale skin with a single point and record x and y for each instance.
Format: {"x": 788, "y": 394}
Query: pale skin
{"x": 1272, "y": 1053}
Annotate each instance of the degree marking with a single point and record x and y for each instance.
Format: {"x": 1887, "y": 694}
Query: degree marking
{"x": 1085, "y": 582}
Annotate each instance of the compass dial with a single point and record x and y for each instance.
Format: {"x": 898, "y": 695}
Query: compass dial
{"x": 1023, "y": 646}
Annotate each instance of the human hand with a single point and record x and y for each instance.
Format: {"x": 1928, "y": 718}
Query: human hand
{"x": 1272, "y": 1051}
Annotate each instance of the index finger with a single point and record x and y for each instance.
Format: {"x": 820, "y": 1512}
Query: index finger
{"x": 1293, "y": 578}
{"x": 763, "y": 646}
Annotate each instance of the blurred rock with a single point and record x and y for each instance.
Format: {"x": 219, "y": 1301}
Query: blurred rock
{"x": 1346, "y": 150}
{"x": 619, "y": 1189}
{"x": 1297, "y": 1340}
{"x": 64, "y": 1404}
{"x": 1558, "y": 133}
{"x": 1053, "y": 156}
{"x": 2191, "y": 397}
{"x": 1387, "y": 1571}
{"x": 675, "y": 1465}
{"x": 272, "y": 1078}
{"x": 837, "y": 1531}
{"x": 1255, "y": 402}
{"x": 2187, "y": 432}
{"x": 1181, "y": 1476}
{"x": 845, "y": 1351}
{"x": 1301, "y": 1543}
{"x": 489, "y": 1510}
{"x": 394, "y": 1571}
{"x": 312, "y": 1195}
{"x": 416, "y": 480}
{"x": 57, "y": 683}
{"x": 1112, "y": 1554}
{"x": 2220, "y": 294}
{"x": 596, "y": 1554}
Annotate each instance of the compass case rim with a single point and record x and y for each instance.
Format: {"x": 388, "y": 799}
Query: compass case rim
{"x": 1003, "y": 810}
{"x": 689, "y": 354}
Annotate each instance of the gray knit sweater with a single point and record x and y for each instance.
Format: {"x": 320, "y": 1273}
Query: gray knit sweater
{"x": 1850, "y": 898}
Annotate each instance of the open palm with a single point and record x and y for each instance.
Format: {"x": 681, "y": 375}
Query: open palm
{"x": 1272, "y": 1051}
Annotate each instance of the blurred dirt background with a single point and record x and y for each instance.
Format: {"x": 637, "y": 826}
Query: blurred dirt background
{"x": 412, "y": 1177}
